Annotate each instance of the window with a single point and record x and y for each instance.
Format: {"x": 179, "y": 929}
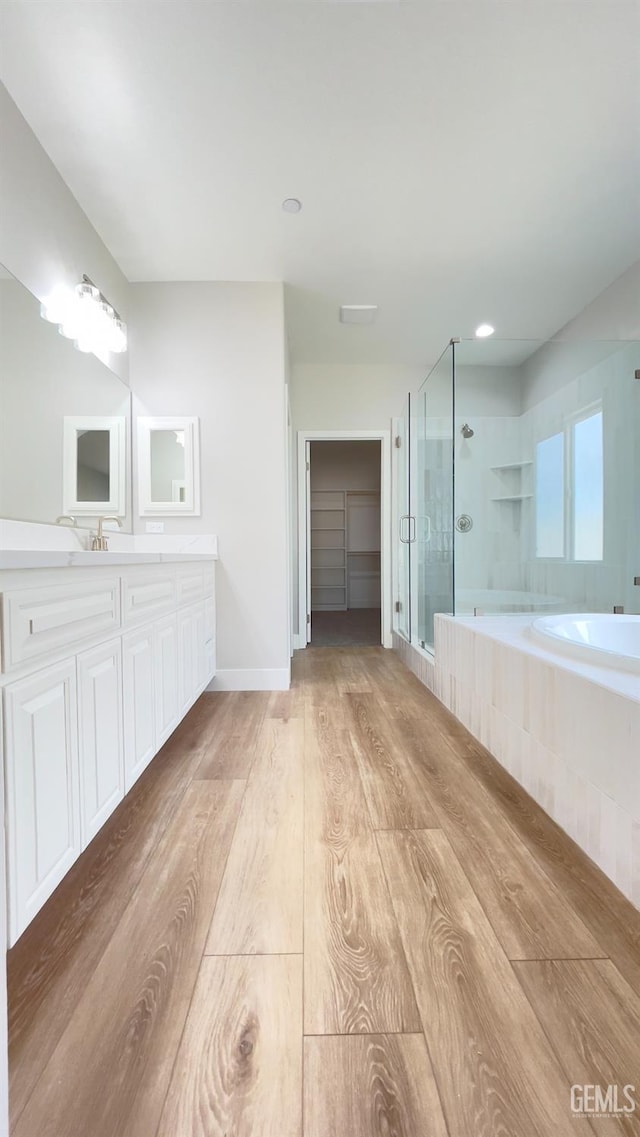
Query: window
{"x": 570, "y": 491}
{"x": 550, "y": 524}
{"x": 588, "y": 495}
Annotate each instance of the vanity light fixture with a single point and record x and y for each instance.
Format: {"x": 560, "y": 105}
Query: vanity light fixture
{"x": 85, "y": 316}
{"x": 484, "y": 330}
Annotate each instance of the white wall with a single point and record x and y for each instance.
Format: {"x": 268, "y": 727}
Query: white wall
{"x": 218, "y": 351}
{"x": 349, "y": 397}
{"x": 367, "y": 397}
{"x": 613, "y": 315}
{"x": 45, "y": 238}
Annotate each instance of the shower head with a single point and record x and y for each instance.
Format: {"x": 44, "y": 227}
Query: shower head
{"x": 466, "y": 431}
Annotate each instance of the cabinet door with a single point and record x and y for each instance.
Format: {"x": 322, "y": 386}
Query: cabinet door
{"x": 201, "y": 649}
{"x": 165, "y": 652}
{"x": 43, "y": 803}
{"x": 188, "y": 676}
{"x": 209, "y": 640}
{"x": 100, "y": 735}
{"x": 139, "y": 710}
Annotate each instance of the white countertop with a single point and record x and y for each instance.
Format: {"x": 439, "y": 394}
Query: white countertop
{"x": 83, "y": 558}
{"x": 25, "y": 545}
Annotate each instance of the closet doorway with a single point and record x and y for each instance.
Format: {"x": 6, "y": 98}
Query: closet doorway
{"x": 344, "y": 555}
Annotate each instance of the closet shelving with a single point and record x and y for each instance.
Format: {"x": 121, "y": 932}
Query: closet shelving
{"x": 345, "y": 550}
{"x": 328, "y": 550}
{"x": 363, "y": 549}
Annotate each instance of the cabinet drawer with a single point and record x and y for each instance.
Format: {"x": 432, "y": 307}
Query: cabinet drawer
{"x": 147, "y": 595}
{"x": 39, "y": 621}
{"x": 190, "y": 584}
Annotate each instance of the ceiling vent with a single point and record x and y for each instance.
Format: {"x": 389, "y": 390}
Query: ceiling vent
{"x": 358, "y": 313}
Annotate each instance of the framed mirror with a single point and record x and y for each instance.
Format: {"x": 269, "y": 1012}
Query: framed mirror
{"x": 94, "y": 470}
{"x": 168, "y": 466}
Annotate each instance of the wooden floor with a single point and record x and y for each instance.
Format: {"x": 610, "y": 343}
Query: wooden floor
{"x": 326, "y": 912}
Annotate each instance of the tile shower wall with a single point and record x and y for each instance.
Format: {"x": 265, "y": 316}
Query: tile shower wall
{"x": 499, "y": 552}
{"x": 562, "y": 731}
{"x": 489, "y": 555}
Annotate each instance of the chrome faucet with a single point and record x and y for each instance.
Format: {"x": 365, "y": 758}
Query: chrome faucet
{"x": 66, "y": 517}
{"x": 99, "y": 541}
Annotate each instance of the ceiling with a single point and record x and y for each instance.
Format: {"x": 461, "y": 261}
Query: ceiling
{"x": 457, "y": 162}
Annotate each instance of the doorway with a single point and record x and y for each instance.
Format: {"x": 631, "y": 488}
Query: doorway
{"x": 344, "y": 548}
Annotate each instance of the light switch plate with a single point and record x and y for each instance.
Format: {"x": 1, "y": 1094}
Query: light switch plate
{"x": 154, "y": 527}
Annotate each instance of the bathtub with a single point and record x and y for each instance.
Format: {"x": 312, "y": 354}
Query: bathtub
{"x": 565, "y": 728}
{"x": 597, "y": 638}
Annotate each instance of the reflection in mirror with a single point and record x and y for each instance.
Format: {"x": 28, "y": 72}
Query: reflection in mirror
{"x": 43, "y": 380}
{"x": 167, "y": 454}
{"x": 92, "y": 467}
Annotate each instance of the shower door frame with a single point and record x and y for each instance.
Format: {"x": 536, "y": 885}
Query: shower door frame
{"x": 303, "y": 637}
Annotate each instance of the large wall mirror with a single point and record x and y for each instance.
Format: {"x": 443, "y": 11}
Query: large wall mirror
{"x": 65, "y": 422}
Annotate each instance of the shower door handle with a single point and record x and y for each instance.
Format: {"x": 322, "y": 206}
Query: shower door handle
{"x": 405, "y": 517}
{"x": 427, "y": 529}
{"x": 413, "y": 529}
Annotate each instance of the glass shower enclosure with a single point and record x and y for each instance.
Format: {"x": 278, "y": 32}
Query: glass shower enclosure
{"x": 517, "y": 483}
{"x": 424, "y": 491}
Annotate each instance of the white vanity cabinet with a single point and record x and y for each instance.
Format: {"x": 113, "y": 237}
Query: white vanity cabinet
{"x": 100, "y": 735}
{"x": 165, "y": 653}
{"x": 189, "y": 670}
{"x": 98, "y": 668}
{"x": 42, "y": 787}
{"x": 139, "y": 702}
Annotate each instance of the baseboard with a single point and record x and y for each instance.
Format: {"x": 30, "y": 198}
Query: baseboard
{"x": 260, "y": 679}
{"x": 299, "y": 642}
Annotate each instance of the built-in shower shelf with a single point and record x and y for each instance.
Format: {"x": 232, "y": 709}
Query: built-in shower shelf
{"x": 514, "y": 497}
{"x": 513, "y": 466}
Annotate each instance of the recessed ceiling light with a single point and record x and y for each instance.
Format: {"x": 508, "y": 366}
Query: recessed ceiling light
{"x": 358, "y": 313}
{"x": 484, "y": 330}
{"x": 291, "y": 205}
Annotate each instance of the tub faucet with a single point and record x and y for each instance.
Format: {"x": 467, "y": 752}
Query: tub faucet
{"x": 66, "y": 517}
{"x": 99, "y": 542}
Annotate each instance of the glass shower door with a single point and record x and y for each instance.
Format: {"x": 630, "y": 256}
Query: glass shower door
{"x": 405, "y": 523}
{"x": 434, "y": 477}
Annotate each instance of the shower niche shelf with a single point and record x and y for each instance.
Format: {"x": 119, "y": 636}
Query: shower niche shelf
{"x": 511, "y": 481}
{"x": 513, "y": 497}
{"x": 512, "y": 466}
